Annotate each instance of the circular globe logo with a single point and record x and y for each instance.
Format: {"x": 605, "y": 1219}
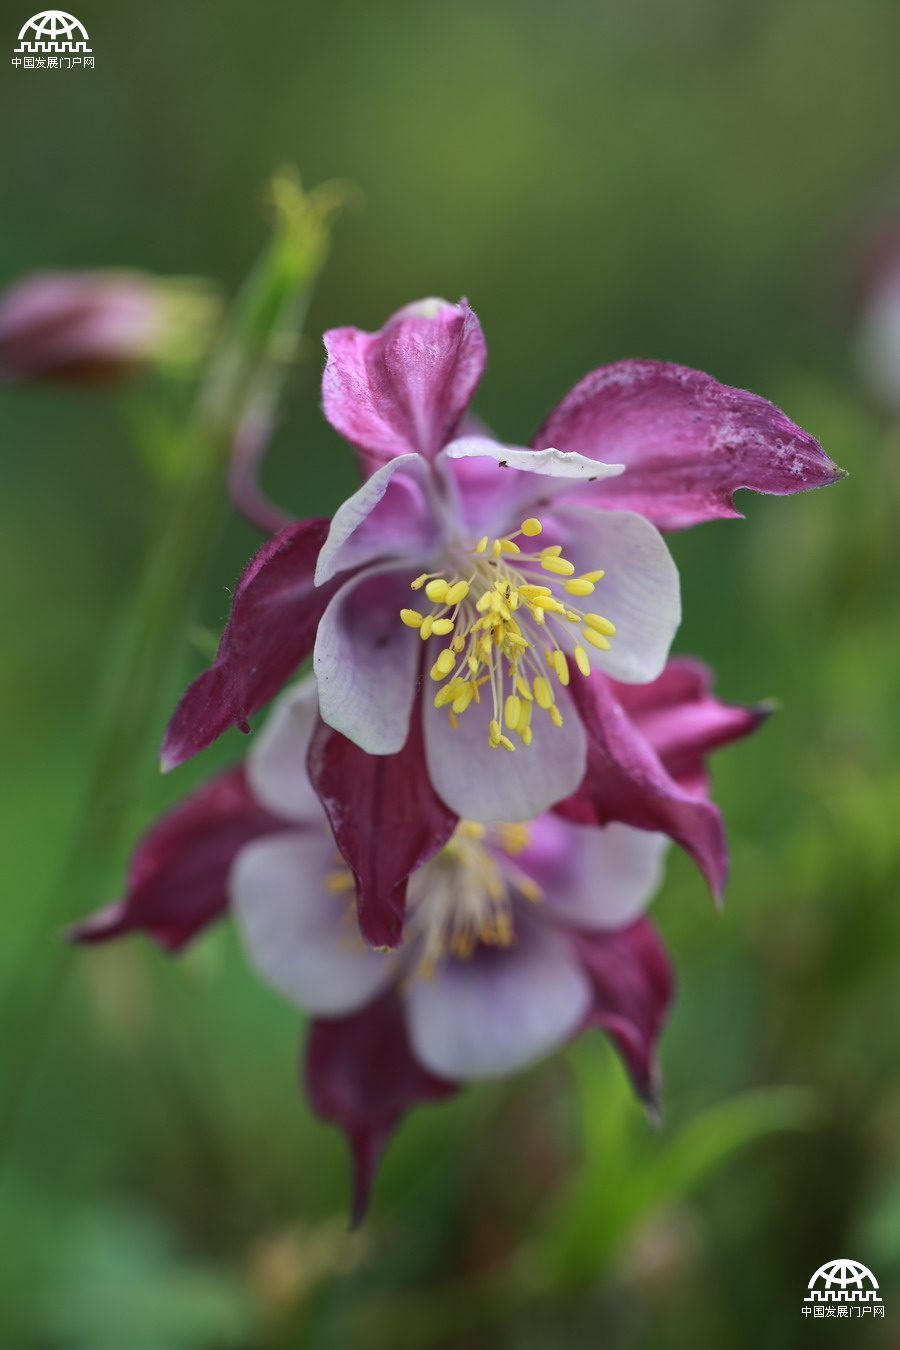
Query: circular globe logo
{"x": 843, "y": 1288}
{"x": 53, "y": 26}
{"x": 843, "y": 1274}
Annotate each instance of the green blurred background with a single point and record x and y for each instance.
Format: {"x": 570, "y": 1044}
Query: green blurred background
{"x": 601, "y": 180}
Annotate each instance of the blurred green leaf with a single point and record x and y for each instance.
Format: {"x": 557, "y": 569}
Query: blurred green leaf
{"x": 119, "y": 1280}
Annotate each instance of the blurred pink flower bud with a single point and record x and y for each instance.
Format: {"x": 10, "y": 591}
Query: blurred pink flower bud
{"x": 95, "y": 326}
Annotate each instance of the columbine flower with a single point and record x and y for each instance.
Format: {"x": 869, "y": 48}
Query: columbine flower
{"x": 503, "y": 575}
{"x": 87, "y": 326}
{"x": 518, "y": 937}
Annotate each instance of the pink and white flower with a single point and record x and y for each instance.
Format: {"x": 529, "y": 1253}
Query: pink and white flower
{"x": 518, "y": 937}
{"x": 536, "y": 567}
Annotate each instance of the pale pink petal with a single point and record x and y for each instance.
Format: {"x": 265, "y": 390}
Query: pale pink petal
{"x": 502, "y": 1010}
{"x": 389, "y": 516}
{"x": 610, "y": 877}
{"x": 301, "y": 938}
{"x": 640, "y": 592}
{"x": 276, "y": 763}
{"x": 487, "y": 784}
{"x": 366, "y": 661}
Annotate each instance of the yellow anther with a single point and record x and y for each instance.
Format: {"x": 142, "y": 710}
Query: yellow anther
{"x": 558, "y": 566}
{"x": 579, "y": 586}
{"x": 597, "y": 640}
{"x": 600, "y": 625}
{"x": 559, "y": 664}
{"x": 512, "y": 711}
{"x": 458, "y": 643}
{"x": 555, "y": 715}
{"x": 481, "y": 546}
{"x": 529, "y": 888}
{"x": 505, "y": 743}
{"x": 419, "y": 582}
{"x": 532, "y": 592}
{"x": 542, "y": 692}
{"x": 551, "y": 551}
{"x": 437, "y": 590}
{"x": 483, "y": 603}
{"x": 496, "y": 548}
{"x": 494, "y": 733}
{"x": 442, "y": 626}
{"x": 444, "y": 664}
{"x": 527, "y": 735}
{"x": 531, "y": 526}
{"x": 427, "y": 625}
{"x": 594, "y": 576}
{"x": 464, "y": 695}
{"x": 339, "y": 881}
{"x": 523, "y": 687}
{"x": 456, "y": 593}
{"x": 581, "y": 661}
{"x": 508, "y": 546}
{"x": 411, "y": 617}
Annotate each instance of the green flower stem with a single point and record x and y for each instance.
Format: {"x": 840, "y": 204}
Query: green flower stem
{"x": 244, "y": 377}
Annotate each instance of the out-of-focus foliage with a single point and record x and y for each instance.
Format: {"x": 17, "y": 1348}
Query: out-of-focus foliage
{"x": 679, "y": 181}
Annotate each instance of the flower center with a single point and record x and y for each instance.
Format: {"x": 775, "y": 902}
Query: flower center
{"x": 504, "y": 609}
{"x": 463, "y": 897}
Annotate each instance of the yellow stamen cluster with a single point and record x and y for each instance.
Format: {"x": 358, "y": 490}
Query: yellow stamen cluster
{"x": 503, "y": 616}
{"x": 467, "y": 892}
{"x": 461, "y": 899}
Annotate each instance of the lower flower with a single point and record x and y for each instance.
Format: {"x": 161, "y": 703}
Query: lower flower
{"x": 517, "y": 936}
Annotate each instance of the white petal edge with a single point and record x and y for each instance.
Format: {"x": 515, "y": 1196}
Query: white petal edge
{"x": 355, "y": 511}
{"x": 276, "y": 762}
{"x": 550, "y": 462}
